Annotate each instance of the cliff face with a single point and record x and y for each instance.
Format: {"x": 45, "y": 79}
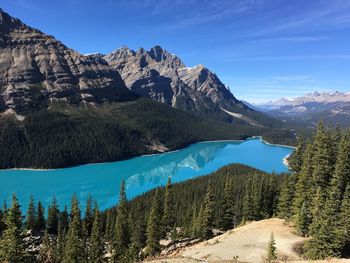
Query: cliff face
{"x": 162, "y": 76}
{"x": 36, "y": 68}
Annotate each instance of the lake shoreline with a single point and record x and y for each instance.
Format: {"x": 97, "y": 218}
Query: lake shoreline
{"x": 158, "y": 153}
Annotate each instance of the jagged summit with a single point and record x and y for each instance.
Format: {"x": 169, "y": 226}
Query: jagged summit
{"x": 35, "y": 69}
{"x": 146, "y": 57}
{"x": 6, "y": 21}
{"x": 162, "y": 76}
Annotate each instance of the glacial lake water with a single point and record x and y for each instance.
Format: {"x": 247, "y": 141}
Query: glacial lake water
{"x": 102, "y": 180}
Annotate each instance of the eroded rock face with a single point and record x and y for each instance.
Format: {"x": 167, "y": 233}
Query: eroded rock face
{"x": 36, "y": 68}
{"x": 163, "y": 77}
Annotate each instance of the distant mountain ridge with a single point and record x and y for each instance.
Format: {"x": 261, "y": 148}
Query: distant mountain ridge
{"x": 163, "y": 77}
{"x": 333, "y": 107}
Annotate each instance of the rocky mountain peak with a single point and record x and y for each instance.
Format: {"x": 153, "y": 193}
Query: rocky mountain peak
{"x": 7, "y": 22}
{"x": 162, "y": 76}
{"x": 35, "y": 69}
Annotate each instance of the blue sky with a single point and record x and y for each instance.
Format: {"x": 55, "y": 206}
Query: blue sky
{"x": 262, "y": 49}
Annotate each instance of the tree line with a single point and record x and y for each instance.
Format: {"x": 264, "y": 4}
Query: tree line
{"x": 133, "y": 229}
{"x": 67, "y": 135}
{"x": 316, "y": 196}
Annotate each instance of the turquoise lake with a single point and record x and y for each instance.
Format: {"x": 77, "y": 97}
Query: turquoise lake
{"x": 141, "y": 174}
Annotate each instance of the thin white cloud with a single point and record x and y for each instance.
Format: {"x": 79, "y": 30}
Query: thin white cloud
{"x": 320, "y": 15}
{"x": 207, "y": 11}
{"x": 292, "y": 78}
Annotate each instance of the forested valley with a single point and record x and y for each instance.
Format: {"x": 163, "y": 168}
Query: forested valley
{"x": 314, "y": 196}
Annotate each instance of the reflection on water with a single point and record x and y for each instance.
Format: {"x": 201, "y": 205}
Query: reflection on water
{"x": 141, "y": 174}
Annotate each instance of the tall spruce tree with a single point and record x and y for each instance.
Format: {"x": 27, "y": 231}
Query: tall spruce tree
{"x": 344, "y": 222}
{"x": 53, "y": 217}
{"x": 97, "y": 249}
{"x": 40, "y": 224}
{"x": 168, "y": 219}
{"x": 63, "y": 220}
{"x": 228, "y": 206}
{"x": 31, "y": 216}
{"x": 341, "y": 176}
{"x": 154, "y": 221}
{"x": 248, "y": 213}
{"x": 88, "y": 217}
{"x": 285, "y": 198}
{"x": 323, "y": 158}
{"x": 296, "y": 159}
{"x": 208, "y": 213}
{"x": 326, "y": 236}
{"x": 196, "y": 222}
{"x": 74, "y": 251}
{"x": 301, "y": 206}
{"x": 110, "y": 226}
{"x": 60, "y": 241}
{"x": 12, "y": 246}
{"x": 270, "y": 197}
{"x": 121, "y": 240}
{"x": 138, "y": 235}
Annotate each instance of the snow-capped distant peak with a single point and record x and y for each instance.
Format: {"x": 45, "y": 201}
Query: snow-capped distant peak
{"x": 91, "y": 54}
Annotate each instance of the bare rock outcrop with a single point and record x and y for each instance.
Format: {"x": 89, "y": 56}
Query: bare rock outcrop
{"x": 36, "y": 68}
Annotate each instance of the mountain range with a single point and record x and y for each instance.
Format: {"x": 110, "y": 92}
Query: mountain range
{"x": 332, "y": 107}
{"x": 60, "y": 108}
{"x": 163, "y": 77}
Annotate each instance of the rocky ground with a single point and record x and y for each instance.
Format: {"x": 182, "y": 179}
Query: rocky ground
{"x": 243, "y": 244}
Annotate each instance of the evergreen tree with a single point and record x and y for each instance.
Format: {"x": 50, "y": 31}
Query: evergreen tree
{"x": 53, "y": 218}
{"x": 303, "y": 220}
{"x": 97, "y": 249}
{"x": 110, "y": 225}
{"x": 31, "y": 215}
{"x": 341, "y": 175}
{"x": 12, "y": 246}
{"x": 304, "y": 194}
{"x": 326, "y": 235}
{"x": 208, "y": 213}
{"x": 337, "y": 135}
{"x": 270, "y": 197}
{"x": 121, "y": 236}
{"x": 257, "y": 197}
{"x": 60, "y": 242}
{"x": 228, "y": 206}
{"x": 89, "y": 217}
{"x": 40, "y": 220}
{"x": 154, "y": 221}
{"x": 74, "y": 251}
{"x": 248, "y": 213}
{"x": 271, "y": 249}
{"x": 296, "y": 159}
{"x": 344, "y": 221}
{"x": 168, "y": 219}
{"x": 323, "y": 158}
{"x": 286, "y": 198}
{"x": 196, "y": 222}
{"x": 46, "y": 252}
{"x": 138, "y": 236}
{"x": 63, "y": 221}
